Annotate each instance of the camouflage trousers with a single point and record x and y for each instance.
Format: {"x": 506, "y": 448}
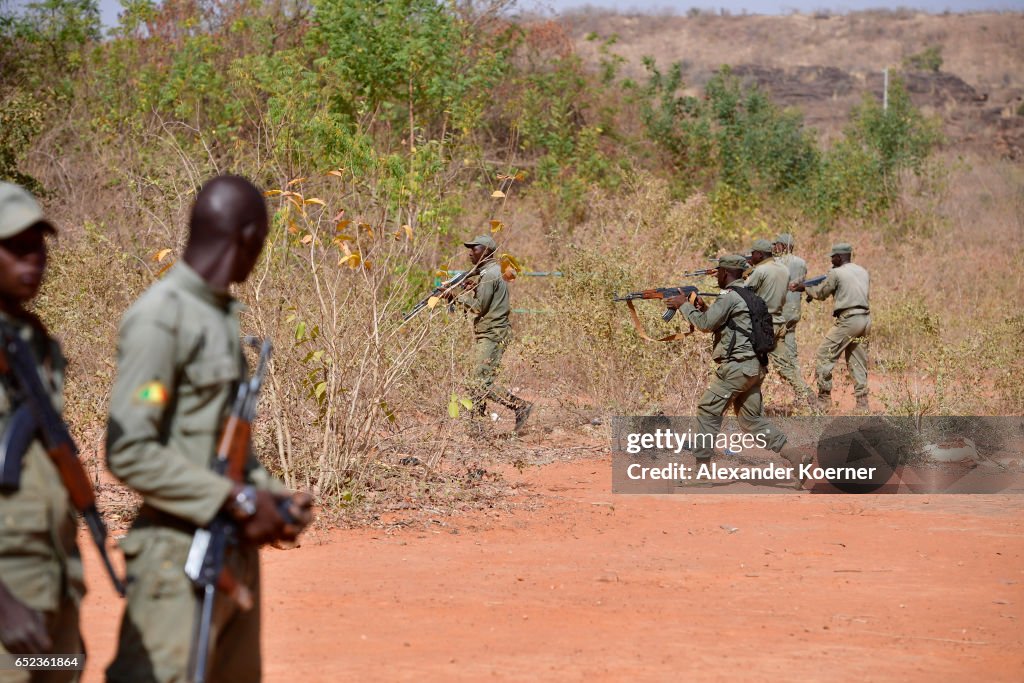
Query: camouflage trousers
{"x": 487, "y": 355}
{"x": 784, "y": 358}
{"x": 62, "y": 626}
{"x": 739, "y": 383}
{"x": 156, "y": 631}
{"x": 848, "y": 337}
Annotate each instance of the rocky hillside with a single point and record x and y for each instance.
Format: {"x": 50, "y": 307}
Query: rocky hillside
{"x": 968, "y": 69}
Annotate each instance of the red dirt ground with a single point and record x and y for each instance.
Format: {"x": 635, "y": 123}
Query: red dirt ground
{"x": 646, "y": 588}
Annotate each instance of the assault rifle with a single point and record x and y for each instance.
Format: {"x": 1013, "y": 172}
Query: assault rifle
{"x": 441, "y": 289}
{"x": 205, "y": 563}
{"x": 700, "y": 272}
{"x": 35, "y": 417}
{"x": 664, "y": 293}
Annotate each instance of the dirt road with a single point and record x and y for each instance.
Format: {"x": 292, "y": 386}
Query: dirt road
{"x": 647, "y": 588}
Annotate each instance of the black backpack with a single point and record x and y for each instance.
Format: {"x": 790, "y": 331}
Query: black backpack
{"x": 762, "y": 331}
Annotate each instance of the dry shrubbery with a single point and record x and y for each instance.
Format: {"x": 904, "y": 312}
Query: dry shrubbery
{"x": 391, "y": 189}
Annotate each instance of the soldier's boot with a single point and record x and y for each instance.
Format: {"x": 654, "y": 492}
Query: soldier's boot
{"x": 523, "y": 411}
{"x": 797, "y": 457}
{"x": 862, "y": 405}
{"x": 823, "y": 401}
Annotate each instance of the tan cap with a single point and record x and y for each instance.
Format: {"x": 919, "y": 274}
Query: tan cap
{"x": 763, "y": 246}
{"x": 483, "y": 241}
{"x": 841, "y": 248}
{"x": 785, "y": 239}
{"x": 18, "y": 211}
{"x": 733, "y": 262}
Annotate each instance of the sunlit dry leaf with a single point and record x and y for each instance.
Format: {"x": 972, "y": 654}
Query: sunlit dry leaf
{"x": 408, "y": 231}
{"x": 520, "y": 176}
{"x": 337, "y": 173}
{"x": 497, "y": 194}
{"x": 341, "y": 225}
{"x": 167, "y": 266}
{"x": 307, "y": 239}
{"x": 352, "y": 260}
{"x": 271, "y": 193}
{"x": 314, "y": 200}
{"x": 367, "y": 228}
{"x": 293, "y": 228}
{"x": 432, "y": 301}
{"x": 161, "y": 255}
{"x": 496, "y": 226}
{"x": 296, "y": 181}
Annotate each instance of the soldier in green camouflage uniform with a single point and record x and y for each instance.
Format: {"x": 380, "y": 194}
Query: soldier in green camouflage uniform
{"x": 783, "y": 248}
{"x": 40, "y": 569}
{"x": 486, "y": 297}
{"x": 770, "y": 281}
{"x": 179, "y": 364}
{"x": 740, "y": 373}
{"x": 850, "y": 285}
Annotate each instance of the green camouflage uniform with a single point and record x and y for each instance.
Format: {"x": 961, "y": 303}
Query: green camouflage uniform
{"x": 489, "y": 302}
{"x": 791, "y": 310}
{"x": 39, "y": 560}
{"x": 850, "y": 285}
{"x": 179, "y": 363}
{"x": 770, "y": 281}
{"x": 739, "y": 375}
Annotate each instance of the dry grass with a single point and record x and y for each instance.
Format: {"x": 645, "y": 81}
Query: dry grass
{"x": 946, "y": 287}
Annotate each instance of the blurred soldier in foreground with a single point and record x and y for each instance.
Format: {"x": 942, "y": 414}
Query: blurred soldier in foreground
{"x": 41, "y": 582}
{"x": 179, "y": 366}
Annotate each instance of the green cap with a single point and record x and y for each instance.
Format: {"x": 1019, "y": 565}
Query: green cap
{"x": 18, "y": 210}
{"x": 483, "y": 241}
{"x": 784, "y": 239}
{"x": 841, "y": 248}
{"x": 763, "y": 246}
{"x": 733, "y": 262}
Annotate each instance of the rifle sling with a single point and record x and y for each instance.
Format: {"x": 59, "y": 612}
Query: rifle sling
{"x": 643, "y": 333}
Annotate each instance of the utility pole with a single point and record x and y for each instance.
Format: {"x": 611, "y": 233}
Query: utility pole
{"x": 885, "y": 89}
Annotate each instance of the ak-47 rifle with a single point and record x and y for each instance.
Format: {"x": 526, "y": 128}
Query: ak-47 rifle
{"x": 690, "y": 291}
{"x": 35, "y": 417}
{"x": 700, "y": 272}
{"x": 442, "y": 289}
{"x": 205, "y": 563}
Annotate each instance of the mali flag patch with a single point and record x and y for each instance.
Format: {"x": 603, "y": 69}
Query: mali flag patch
{"x": 152, "y": 394}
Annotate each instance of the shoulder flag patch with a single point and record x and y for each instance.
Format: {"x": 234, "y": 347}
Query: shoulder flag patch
{"x": 152, "y": 394}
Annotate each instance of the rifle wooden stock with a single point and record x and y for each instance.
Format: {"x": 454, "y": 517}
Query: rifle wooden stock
{"x": 17, "y": 362}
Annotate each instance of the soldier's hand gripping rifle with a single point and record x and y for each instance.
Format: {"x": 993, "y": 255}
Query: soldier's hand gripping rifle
{"x": 814, "y": 281}
{"x": 442, "y": 289}
{"x": 205, "y": 563}
{"x": 35, "y": 417}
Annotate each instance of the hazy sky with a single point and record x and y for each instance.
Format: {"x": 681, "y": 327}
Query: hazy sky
{"x": 110, "y": 8}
